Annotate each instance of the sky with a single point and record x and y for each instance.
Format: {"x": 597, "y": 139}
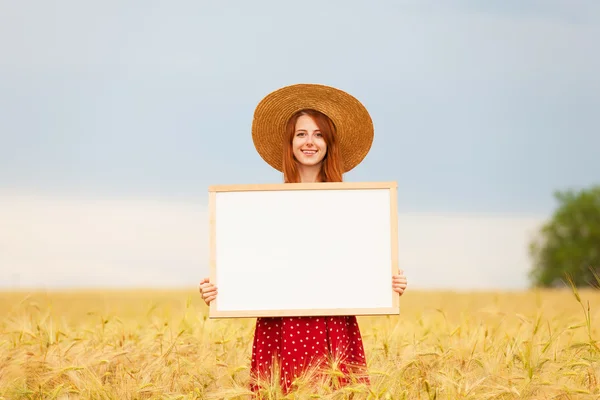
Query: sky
{"x": 116, "y": 117}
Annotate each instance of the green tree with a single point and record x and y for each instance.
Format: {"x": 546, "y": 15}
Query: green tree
{"x": 569, "y": 243}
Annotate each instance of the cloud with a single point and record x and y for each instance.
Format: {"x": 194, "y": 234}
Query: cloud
{"x": 54, "y": 241}
{"x": 59, "y": 241}
{"x": 466, "y": 251}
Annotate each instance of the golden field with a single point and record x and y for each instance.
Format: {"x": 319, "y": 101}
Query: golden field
{"x": 160, "y": 345}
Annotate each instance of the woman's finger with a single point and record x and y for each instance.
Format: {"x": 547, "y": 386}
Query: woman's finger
{"x": 207, "y": 287}
{"x": 208, "y": 299}
{"x": 211, "y": 290}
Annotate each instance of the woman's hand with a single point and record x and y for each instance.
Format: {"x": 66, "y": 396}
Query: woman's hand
{"x": 399, "y": 283}
{"x": 207, "y": 290}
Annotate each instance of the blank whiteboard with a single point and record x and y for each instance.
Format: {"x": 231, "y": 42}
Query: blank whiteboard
{"x": 300, "y": 249}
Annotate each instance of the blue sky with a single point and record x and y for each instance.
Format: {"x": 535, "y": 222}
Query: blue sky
{"x": 479, "y": 107}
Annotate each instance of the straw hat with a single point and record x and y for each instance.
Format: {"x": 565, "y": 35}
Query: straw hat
{"x": 353, "y": 123}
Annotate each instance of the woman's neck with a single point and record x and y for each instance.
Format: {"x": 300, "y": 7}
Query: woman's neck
{"x": 309, "y": 174}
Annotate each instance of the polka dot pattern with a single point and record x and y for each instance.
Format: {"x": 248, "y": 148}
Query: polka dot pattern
{"x": 297, "y": 344}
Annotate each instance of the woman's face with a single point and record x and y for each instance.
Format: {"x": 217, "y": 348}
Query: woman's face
{"x": 308, "y": 145}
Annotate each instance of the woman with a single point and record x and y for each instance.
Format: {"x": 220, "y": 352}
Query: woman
{"x": 309, "y": 146}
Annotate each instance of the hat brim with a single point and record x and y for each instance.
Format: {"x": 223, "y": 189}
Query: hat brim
{"x": 354, "y": 126}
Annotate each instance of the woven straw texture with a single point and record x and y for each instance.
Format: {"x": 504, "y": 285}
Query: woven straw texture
{"x": 352, "y": 121}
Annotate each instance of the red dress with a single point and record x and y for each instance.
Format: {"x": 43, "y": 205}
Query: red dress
{"x": 289, "y": 347}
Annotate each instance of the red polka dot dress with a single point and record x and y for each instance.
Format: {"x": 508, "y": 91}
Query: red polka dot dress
{"x": 296, "y": 345}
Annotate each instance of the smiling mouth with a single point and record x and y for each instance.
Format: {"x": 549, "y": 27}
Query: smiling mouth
{"x": 309, "y": 152}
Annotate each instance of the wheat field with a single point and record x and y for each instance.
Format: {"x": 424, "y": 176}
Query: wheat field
{"x": 161, "y": 345}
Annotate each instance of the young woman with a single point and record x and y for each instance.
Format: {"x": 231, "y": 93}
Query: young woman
{"x": 309, "y": 146}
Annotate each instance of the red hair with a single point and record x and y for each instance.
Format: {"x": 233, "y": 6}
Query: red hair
{"x": 331, "y": 167}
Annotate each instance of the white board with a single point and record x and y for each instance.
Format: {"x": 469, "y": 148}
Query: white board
{"x": 303, "y": 249}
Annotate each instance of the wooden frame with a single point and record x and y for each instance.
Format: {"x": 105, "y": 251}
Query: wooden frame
{"x": 237, "y": 213}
